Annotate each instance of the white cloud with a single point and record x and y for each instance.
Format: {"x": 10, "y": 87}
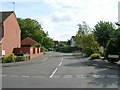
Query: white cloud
{"x": 61, "y": 22}
{"x": 68, "y": 13}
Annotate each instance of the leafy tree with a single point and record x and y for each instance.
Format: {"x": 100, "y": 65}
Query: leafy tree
{"x": 103, "y": 32}
{"x": 85, "y": 40}
{"x": 31, "y": 28}
{"x": 83, "y": 29}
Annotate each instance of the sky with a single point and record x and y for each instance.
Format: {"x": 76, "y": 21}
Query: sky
{"x": 60, "y": 17}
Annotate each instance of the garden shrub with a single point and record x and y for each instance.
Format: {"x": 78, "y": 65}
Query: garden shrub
{"x": 6, "y": 60}
{"x": 13, "y": 58}
{"x": 88, "y": 51}
{"x": 10, "y": 58}
{"x": 20, "y": 58}
{"x": 66, "y": 49}
{"x": 113, "y": 47}
{"x": 95, "y": 56}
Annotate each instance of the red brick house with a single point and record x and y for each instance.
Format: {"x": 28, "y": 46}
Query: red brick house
{"x": 28, "y": 47}
{"x": 10, "y": 35}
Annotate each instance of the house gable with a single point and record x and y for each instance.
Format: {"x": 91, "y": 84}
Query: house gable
{"x": 12, "y": 33}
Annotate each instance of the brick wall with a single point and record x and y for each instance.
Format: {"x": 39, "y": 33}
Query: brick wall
{"x": 33, "y": 52}
{"x": 12, "y": 34}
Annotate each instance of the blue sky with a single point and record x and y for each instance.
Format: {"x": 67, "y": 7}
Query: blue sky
{"x": 60, "y": 17}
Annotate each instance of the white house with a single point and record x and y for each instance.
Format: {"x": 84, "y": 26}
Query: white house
{"x": 73, "y": 41}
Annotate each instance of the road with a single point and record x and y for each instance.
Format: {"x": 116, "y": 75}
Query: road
{"x": 60, "y": 70}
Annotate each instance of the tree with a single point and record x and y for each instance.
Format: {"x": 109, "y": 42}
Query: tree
{"x": 31, "y": 28}
{"x": 103, "y": 32}
{"x": 86, "y": 40}
{"x": 88, "y": 44}
{"x": 83, "y": 29}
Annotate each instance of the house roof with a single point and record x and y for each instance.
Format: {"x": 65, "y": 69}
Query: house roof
{"x": 28, "y": 41}
{"x": 5, "y": 15}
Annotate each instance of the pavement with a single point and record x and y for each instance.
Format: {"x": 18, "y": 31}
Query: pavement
{"x": 61, "y": 70}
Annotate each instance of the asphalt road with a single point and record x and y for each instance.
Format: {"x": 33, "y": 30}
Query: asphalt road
{"x": 60, "y": 70}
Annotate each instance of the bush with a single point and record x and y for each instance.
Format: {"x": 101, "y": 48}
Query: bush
{"x": 65, "y": 49}
{"x": 6, "y": 60}
{"x": 95, "y": 56}
{"x": 10, "y": 58}
{"x": 20, "y": 58}
{"x": 13, "y": 58}
{"x": 113, "y": 47}
{"x": 88, "y": 51}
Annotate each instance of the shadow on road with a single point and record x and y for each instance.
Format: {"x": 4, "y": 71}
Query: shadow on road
{"x": 107, "y": 78}
{"x": 109, "y": 74}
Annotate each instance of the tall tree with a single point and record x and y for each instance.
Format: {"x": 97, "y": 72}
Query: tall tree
{"x": 103, "y": 32}
{"x": 31, "y": 28}
{"x": 85, "y": 40}
{"x": 83, "y": 29}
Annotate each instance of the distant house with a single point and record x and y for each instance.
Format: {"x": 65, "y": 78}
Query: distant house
{"x": 73, "y": 41}
{"x": 10, "y": 33}
{"x": 56, "y": 44}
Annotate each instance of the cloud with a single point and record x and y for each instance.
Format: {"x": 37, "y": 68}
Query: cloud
{"x": 68, "y": 13}
{"x": 60, "y": 17}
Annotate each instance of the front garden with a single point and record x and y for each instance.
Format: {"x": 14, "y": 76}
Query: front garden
{"x": 14, "y": 58}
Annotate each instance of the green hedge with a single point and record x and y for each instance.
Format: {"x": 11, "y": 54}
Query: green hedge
{"x": 88, "y": 51}
{"x": 113, "y": 47}
{"x": 13, "y": 58}
{"x": 20, "y": 58}
{"x": 65, "y": 49}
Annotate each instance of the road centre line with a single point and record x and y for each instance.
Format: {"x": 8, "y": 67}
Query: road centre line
{"x": 13, "y": 76}
{"x": 3, "y": 75}
{"x": 25, "y": 76}
{"x": 60, "y": 63}
{"x": 53, "y": 73}
{"x": 44, "y": 59}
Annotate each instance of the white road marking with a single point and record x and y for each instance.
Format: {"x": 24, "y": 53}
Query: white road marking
{"x": 53, "y": 73}
{"x": 98, "y": 76}
{"x": 81, "y": 76}
{"x": 13, "y": 76}
{"x": 67, "y": 76}
{"x": 25, "y": 76}
{"x": 45, "y": 59}
{"x": 3, "y": 75}
{"x": 60, "y": 63}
